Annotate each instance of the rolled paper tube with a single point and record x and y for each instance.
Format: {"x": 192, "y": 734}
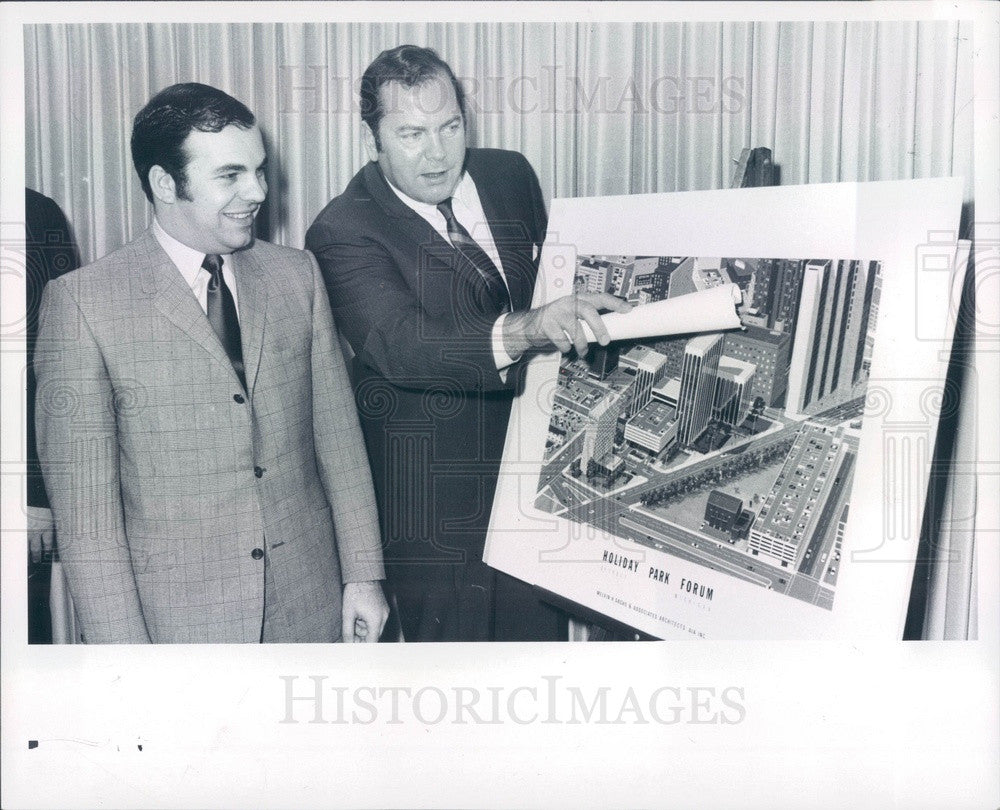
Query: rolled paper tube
{"x": 709, "y": 310}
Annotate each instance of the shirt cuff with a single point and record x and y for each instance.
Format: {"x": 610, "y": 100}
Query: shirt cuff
{"x": 500, "y": 356}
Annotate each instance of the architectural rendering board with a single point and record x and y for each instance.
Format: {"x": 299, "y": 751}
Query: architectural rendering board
{"x": 749, "y": 482}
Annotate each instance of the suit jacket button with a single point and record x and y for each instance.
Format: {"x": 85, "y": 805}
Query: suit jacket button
{"x": 258, "y": 471}
{"x": 238, "y": 399}
{"x": 257, "y": 553}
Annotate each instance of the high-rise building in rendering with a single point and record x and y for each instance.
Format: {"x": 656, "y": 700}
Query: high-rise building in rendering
{"x": 648, "y": 367}
{"x": 602, "y": 360}
{"x": 600, "y": 427}
{"x": 698, "y": 375}
{"x": 709, "y": 272}
{"x": 830, "y": 332}
{"x": 869, "y": 311}
{"x": 659, "y": 284}
{"x": 758, "y": 296}
{"x": 773, "y": 296}
{"x": 787, "y": 287}
{"x": 682, "y": 279}
{"x": 630, "y": 275}
{"x": 732, "y": 391}
{"x": 697, "y": 273}
{"x": 592, "y": 274}
{"x": 768, "y": 351}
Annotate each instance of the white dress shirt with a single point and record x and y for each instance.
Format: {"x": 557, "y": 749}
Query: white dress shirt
{"x": 468, "y": 210}
{"x": 188, "y": 261}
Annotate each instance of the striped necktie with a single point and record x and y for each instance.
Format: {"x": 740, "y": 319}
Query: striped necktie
{"x": 463, "y": 242}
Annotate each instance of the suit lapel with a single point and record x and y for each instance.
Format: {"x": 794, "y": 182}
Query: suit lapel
{"x": 416, "y": 228}
{"x": 173, "y": 297}
{"x": 513, "y": 245}
{"x": 406, "y": 219}
{"x": 515, "y": 256}
{"x": 251, "y": 291}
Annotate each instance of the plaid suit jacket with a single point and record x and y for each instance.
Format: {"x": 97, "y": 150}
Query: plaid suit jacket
{"x": 163, "y": 482}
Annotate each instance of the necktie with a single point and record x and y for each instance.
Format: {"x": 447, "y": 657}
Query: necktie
{"x": 463, "y": 242}
{"x": 222, "y": 314}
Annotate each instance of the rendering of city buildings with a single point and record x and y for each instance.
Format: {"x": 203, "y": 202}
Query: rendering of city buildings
{"x": 734, "y": 450}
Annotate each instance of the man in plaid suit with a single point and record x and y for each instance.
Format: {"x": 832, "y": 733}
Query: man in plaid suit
{"x": 196, "y": 426}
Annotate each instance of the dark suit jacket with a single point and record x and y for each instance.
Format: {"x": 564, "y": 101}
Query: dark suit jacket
{"x": 433, "y": 406}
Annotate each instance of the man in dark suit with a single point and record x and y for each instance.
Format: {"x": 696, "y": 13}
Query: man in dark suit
{"x": 430, "y": 257}
{"x": 50, "y": 252}
{"x": 196, "y": 425}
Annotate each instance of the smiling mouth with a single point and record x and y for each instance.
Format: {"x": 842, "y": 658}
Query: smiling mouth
{"x": 245, "y": 217}
{"x": 435, "y": 176}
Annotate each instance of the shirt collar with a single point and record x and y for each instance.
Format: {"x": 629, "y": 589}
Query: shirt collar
{"x": 186, "y": 259}
{"x": 464, "y": 191}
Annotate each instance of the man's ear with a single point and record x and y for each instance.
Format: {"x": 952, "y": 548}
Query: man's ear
{"x": 162, "y": 185}
{"x": 369, "y": 138}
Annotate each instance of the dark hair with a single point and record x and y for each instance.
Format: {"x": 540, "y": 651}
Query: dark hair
{"x": 161, "y": 127}
{"x": 409, "y": 65}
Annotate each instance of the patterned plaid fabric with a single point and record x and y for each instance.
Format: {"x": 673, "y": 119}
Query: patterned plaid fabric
{"x": 163, "y": 483}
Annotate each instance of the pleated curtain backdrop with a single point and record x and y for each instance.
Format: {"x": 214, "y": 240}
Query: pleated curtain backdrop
{"x": 597, "y": 108}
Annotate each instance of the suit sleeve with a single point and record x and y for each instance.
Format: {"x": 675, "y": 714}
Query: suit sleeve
{"x": 78, "y": 449}
{"x": 340, "y": 449}
{"x": 385, "y": 323}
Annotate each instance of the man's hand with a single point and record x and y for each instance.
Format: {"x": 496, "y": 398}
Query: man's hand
{"x": 558, "y": 324}
{"x": 41, "y": 532}
{"x": 364, "y": 612}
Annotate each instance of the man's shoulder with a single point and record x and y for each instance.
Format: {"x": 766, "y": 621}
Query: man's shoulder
{"x": 355, "y": 212}
{"x": 43, "y": 212}
{"x": 353, "y": 201}
{"x": 110, "y": 270}
{"x": 360, "y": 210}
{"x": 273, "y": 253}
{"x": 114, "y": 275}
{"x": 501, "y": 174}
{"x": 279, "y": 267}
{"x": 495, "y": 160}
{"x": 499, "y": 168}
